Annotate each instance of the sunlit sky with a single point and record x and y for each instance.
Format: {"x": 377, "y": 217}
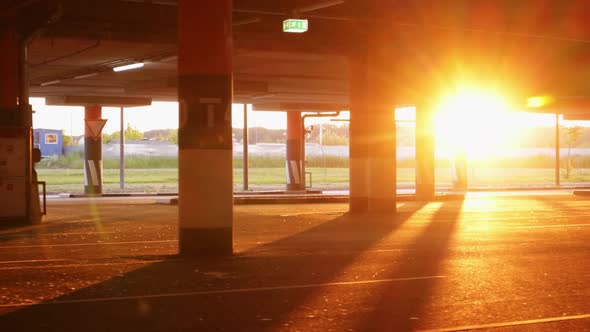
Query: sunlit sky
{"x": 483, "y": 133}
{"x": 482, "y": 124}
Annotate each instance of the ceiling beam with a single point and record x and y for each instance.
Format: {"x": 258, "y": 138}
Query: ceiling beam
{"x": 98, "y": 101}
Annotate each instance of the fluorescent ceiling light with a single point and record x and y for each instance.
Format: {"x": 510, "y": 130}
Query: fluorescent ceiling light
{"x": 318, "y": 6}
{"x": 85, "y": 76}
{"x": 128, "y": 67}
{"x": 50, "y": 82}
{"x": 264, "y": 96}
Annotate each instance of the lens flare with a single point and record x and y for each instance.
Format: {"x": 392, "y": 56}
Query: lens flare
{"x": 474, "y": 122}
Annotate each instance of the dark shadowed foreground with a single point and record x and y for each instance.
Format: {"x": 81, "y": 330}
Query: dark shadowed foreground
{"x": 502, "y": 263}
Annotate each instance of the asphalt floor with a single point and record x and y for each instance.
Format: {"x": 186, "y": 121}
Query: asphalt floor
{"x": 490, "y": 262}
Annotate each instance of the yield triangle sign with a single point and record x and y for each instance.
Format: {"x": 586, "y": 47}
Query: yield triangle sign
{"x": 95, "y": 127}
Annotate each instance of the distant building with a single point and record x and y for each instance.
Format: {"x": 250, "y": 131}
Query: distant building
{"x": 50, "y": 141}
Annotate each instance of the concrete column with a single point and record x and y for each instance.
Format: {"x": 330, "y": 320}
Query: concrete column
{"x": 205, "y": 137}
{"x": 425, "y": 154}
{"x": 92, "y": 150}
{"x": 382, "y": 159}
{"x": 381, "y": 126}
{"x": 460, "y": 171}
{"x": 358, "y": 132}
{"x": 10, "y": 75}
{"x": 295, "y": 152}
{"x": 19, "y": 196}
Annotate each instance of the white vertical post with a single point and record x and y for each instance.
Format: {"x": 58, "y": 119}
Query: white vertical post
{"x": 245, "y": 147}
{"x": 122, "y": 152}
{"x": 557, "y": 151}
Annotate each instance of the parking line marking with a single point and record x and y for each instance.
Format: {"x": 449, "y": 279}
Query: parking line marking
{"x": 85, "y": 259}
{"x": 507, "y": 324}
{"x": 48, "y": 267}
{"x": 35, "y": 261}
{"x": 220, "y": 292}
{"x": 86, "y": 244}
{"x": 472, "y": 219}
{"x": 553, "y": 226}
{"x": 51, "y": 234}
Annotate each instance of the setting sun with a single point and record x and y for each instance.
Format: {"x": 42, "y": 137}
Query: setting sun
{"x": 475, "y": 122}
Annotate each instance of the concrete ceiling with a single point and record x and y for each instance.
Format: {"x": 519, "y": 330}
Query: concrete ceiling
{"x": 528, "y": 47}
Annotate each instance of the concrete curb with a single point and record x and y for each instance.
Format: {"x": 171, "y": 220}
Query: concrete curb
{"x": 311, "y": 193}
{"x": 68, "y": 195}
{"x": 313, "y": 199}
{"x": 528, "y": 188}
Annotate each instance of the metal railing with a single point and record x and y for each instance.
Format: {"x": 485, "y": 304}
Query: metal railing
{"x": 44, "y": 184}
{"x": 310, "y": 180}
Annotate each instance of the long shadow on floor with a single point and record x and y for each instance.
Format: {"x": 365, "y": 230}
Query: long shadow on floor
{"x": 86, "y": 220}
{"x": 11, "y": 231}
{"x": 315, "y": 256}
{"x": 399, "y": 306}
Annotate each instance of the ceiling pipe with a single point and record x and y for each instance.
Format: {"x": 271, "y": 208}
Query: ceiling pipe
{"x": 50, "y": 82}
{"x": 303, "y": 9}
{"x": 322, "y": 114}
{"x": 22, "y": 4}
{"x": 61, "y": 57}
{"x": 246, "y": 21}
{"x": 318, "y": 115}
{"x": 108, "y": 67}
{"x": 155, "y": 2}
{"x": 296, "y": 12}
{"x": 318, "y": 6}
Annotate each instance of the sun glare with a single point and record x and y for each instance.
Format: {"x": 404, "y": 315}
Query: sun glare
{"x": 474, "y": 122}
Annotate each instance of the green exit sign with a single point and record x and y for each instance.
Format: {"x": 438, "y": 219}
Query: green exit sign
{"x": 295, "y": 25}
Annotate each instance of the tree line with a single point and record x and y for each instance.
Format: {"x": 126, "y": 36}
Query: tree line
{"x": 332, "y": 134}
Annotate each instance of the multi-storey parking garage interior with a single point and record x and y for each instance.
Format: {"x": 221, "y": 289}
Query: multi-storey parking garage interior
{"x": 366, "y": 259}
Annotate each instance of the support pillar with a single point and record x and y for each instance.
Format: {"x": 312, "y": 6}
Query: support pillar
{"x": 425, "y": 154}
{"x": 373, "y": 178}
{"x": 381, "y": 125}
{"x": 93, "y": 150}
{"x": 460, "y": 169}
{"x": 358, "y": 133}
{"x": 295, "y": 152}
{"x": 19, "y": 195}
{"x": 10, "y": 69}
{"x": 205, "y": 136}
{"x": 382, "y": 157}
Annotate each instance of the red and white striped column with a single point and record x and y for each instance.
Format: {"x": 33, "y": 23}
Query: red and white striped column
{"x": 205, "y": 136}
{"x": 10, "y": 73}
{"x": 295, "y": 167}
{"x": 19, "y": 197}
{"x": 93, "y": 150}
